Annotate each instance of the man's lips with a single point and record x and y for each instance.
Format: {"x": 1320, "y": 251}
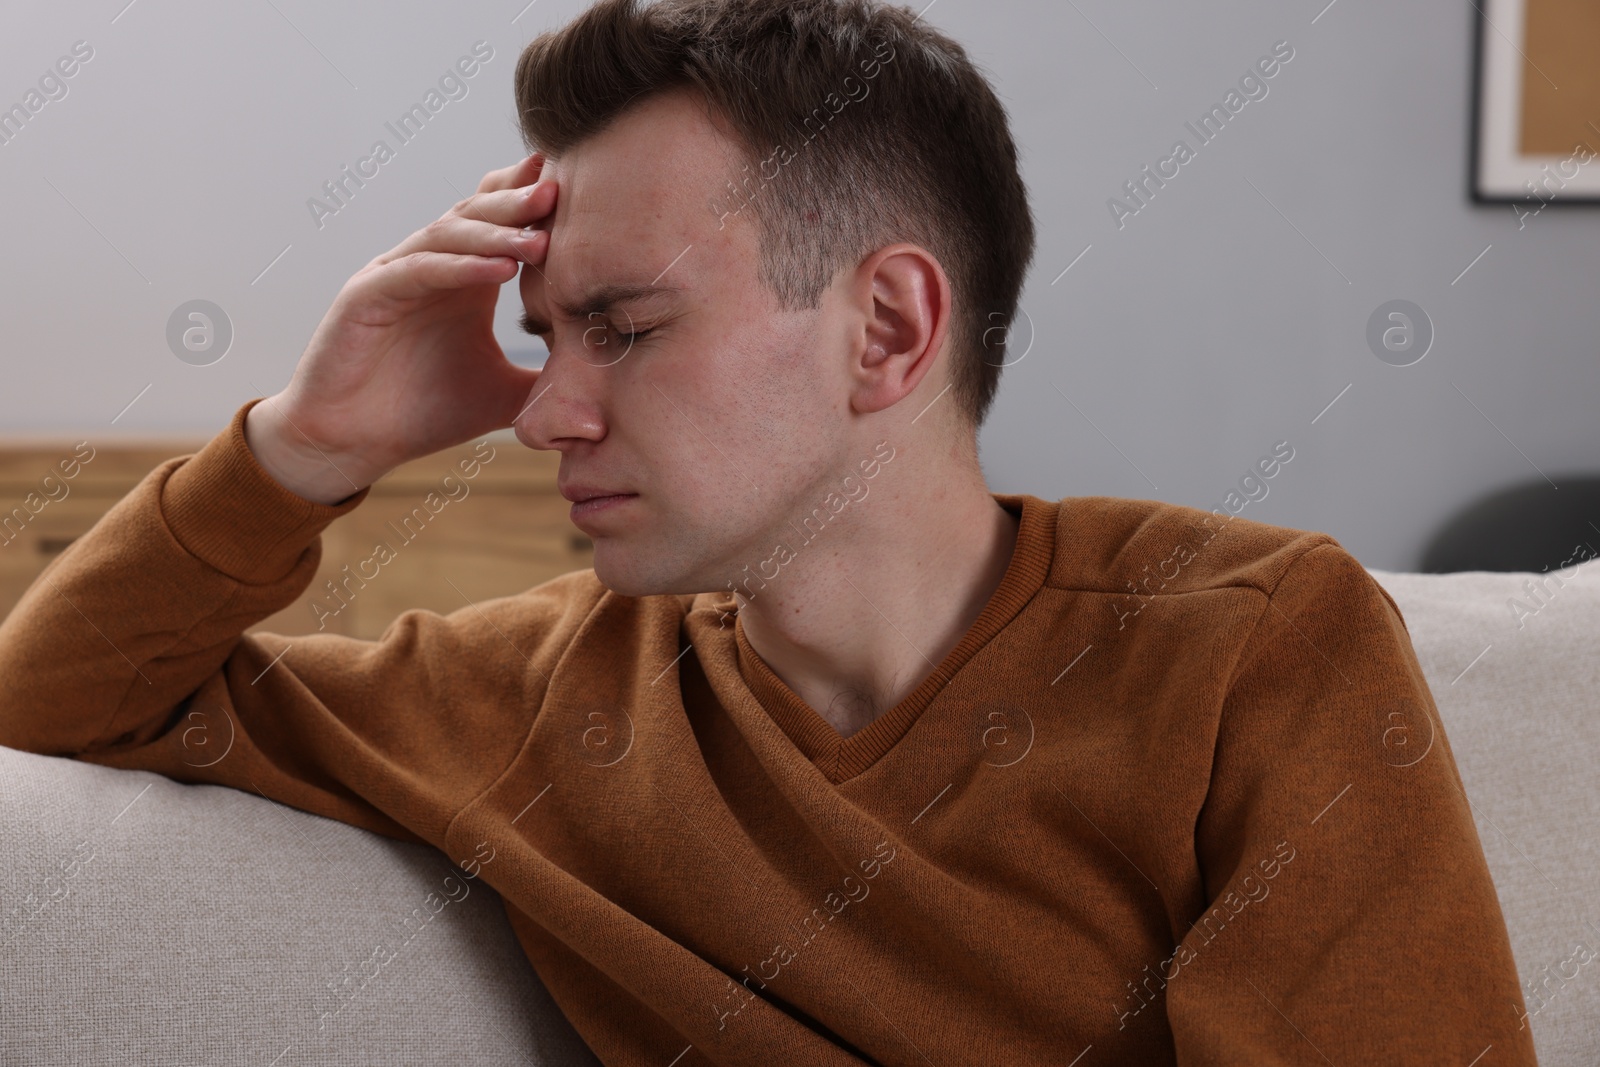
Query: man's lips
{"x": 580, "y": 493}
{"x": 585, "y": 511}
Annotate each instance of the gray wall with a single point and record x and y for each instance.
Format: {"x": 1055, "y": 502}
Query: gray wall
{"x": 1220, "y": 319}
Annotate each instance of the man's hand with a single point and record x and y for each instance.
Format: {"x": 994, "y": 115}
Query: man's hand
{"x": 405, "y": 362}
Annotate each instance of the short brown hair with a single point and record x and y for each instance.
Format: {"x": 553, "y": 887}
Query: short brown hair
{"x": 929, "y": 159}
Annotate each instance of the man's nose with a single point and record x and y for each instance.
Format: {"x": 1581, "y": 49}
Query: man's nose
{"x": 563, "y": 407}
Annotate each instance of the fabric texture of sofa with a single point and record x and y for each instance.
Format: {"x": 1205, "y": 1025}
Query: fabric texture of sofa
{"x": 143, "y": 921}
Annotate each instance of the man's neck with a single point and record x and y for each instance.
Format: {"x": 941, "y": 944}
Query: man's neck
{"x": 863, "y": 614}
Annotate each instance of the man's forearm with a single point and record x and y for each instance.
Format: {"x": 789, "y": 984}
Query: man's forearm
{"x": 137, "y": 612}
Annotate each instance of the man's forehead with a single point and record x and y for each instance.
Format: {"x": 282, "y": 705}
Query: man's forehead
{"x": 638, "y": 198}
{"x": 599, "y": 258}
{"x": 603, "y": 221}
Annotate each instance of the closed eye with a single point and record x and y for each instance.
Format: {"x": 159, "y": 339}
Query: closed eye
{"x": 545, "y": 331}
{"x": 625, "y": 337}
{"x": 531, "y": 325}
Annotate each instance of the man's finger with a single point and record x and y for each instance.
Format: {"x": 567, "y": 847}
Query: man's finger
{"x": 523, "y": 172}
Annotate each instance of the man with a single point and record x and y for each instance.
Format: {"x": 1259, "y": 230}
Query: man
{"x": 894, "y": 769}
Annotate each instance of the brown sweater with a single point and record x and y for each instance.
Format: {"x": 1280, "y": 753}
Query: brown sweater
{"x": 1170, "y": 800}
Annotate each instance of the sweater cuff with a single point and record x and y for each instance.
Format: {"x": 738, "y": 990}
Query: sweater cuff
{"x": 224, "y": 508}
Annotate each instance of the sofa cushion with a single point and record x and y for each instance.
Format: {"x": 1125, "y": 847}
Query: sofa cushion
{"x": 1517, "y": 681}
{"x": 142, "y": 920}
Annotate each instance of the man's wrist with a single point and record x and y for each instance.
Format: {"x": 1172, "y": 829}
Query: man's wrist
{"x": 295, "y": 463}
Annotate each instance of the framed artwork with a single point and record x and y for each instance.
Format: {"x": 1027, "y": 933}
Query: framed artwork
{"x": 1536, "y": 108}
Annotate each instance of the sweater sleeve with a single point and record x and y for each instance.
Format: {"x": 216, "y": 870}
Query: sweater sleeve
{"x": 129, "y": 651}
{"x": 1349, "y": 913}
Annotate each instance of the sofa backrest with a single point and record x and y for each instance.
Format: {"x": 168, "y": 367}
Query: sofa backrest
{"x": 1513, "y": 660}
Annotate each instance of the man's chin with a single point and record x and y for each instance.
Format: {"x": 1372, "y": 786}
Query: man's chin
{"x": 616, "y": 571}
{"x": 617, "y": 576}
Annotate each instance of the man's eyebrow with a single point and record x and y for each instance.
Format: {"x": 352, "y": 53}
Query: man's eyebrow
{"x": 597, "y": 302}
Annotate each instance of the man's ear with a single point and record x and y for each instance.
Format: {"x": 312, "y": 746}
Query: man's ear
{"x": 900, "y": 305}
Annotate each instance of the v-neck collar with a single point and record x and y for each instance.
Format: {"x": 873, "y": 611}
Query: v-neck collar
{"x": 841, "y": 758}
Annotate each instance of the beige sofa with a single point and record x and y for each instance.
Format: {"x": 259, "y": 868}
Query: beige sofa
{"x": 144, "y": 921}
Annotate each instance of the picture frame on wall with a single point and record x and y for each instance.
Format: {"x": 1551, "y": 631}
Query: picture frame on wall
{"x": 1536, "y": 106}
